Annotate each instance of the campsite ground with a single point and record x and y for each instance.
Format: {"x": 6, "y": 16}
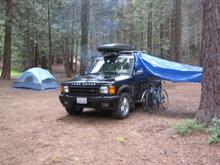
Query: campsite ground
{"x": 35, "y": 129}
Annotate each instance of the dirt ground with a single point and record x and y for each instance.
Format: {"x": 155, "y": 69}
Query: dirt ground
{"x": 35, "y": 130}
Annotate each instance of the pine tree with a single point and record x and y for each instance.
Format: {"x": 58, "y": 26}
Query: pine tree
{"x": 210, "y": 98}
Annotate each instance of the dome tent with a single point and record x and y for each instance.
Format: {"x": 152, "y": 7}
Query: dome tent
{"x": 36, "y": 78}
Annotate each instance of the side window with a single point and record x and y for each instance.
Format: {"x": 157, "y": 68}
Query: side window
{"x": 124, "y": 66}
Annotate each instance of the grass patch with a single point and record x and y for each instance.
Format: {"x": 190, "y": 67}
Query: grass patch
{"x": 189, "y": 126}
{"x": 214, "y": 131}
{"x": 14, "y": 73}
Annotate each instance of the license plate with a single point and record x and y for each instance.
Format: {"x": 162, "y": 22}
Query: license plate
{"x": 81, "y": 100}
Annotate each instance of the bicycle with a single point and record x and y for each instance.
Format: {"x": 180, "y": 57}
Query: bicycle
{"x": 155, "y": 97}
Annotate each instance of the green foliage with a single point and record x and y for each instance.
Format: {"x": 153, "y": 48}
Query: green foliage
{"x": 214, "y": 131}
{"x": 110, "y": 21}
{"x": 188, "y": 126}
{"x": 14, "y": 73}
{"x": 30, "y": 30}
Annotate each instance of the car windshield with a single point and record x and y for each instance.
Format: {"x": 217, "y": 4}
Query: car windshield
{"x": 112, "y": 65}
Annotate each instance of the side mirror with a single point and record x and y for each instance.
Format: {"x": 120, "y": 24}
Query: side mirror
{"x": 139, "y": 72}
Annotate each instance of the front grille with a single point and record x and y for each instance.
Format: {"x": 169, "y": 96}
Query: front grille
{"x": 84, "y": 91}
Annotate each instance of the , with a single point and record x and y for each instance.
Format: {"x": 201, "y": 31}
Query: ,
{"x": 121, "y": 77}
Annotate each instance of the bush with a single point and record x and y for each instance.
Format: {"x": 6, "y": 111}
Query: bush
{"x": 188, "y": 126}
{"x": 14, "y": 73}
{"x": 214, "y": 130}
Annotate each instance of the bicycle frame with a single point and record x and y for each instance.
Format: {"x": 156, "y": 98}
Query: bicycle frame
{"x": 153, "y": 95}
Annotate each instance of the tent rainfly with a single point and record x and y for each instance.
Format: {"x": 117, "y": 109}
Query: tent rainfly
{"x": 37, "y": 79}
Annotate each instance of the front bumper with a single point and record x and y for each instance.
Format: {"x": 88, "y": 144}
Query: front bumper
{"x": 98, "y": 102}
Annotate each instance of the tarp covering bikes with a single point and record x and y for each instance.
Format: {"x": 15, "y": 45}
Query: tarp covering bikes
{"x": 155, "y": 96}
{"x": 167, "y": 70}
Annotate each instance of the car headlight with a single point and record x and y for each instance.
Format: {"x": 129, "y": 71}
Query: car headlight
{"x": 66, "y": 89}
{"x": 108, "y": 90}
{"x": 104, "y": 90}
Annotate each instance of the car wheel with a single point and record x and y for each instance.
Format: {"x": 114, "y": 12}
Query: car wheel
{"x": 74, "y": 111}
{"x": 124, "y": 106}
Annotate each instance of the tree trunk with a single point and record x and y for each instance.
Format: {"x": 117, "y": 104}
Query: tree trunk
{"x": 150, "y": 28}
{"x": 200, "y": 44}
{"x": 76, "y": 52}
{"x": 142, "y": 28}
{"x": 43, "y": 61}
{"x": 161, "y": 40}
{"x": 66, "y": 56}
{"x": 172, "y": 36}
{"x": 36, "y": 54}
{"x": 6, "y": 71}
{"x": 49, "y": 38}
{"x": 131, "y": 25}
{"x": 72, "y": 39}
{"x": 84, "y": 35}
{"x": 210, "y": 98}
{"x": 29, "y": 48}
{"x": 35, "y": 48}
{"x": 124, "y": 23}
{"x": 176, "y": 24}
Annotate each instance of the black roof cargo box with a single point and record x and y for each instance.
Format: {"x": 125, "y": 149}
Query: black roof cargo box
{"x": 115, "y": 47}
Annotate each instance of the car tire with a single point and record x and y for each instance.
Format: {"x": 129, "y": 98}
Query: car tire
{"x": 74, "y": 111}
{"x": 123, "y": 107}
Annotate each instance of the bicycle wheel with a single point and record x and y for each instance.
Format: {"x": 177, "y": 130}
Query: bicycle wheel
{"x": 145, "y": 102}
{"x": 149, "y": 101}
{"x": 164, "y": 99}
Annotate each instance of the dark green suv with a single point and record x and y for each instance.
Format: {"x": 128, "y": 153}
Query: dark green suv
{"x": 112, "y": 83}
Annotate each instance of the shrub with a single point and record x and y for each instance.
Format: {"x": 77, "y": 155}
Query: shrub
{"x": 14, "y": 73}
{"x": 214, "y": 130}
{"x": 188, "y": 126}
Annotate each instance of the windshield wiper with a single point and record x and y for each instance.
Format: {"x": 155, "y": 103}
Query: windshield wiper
{"x": 95, "y": 73}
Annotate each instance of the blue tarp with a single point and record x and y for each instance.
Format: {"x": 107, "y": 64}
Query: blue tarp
{"x": 167, "y": 70}
{"x": 36, "y": 78}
